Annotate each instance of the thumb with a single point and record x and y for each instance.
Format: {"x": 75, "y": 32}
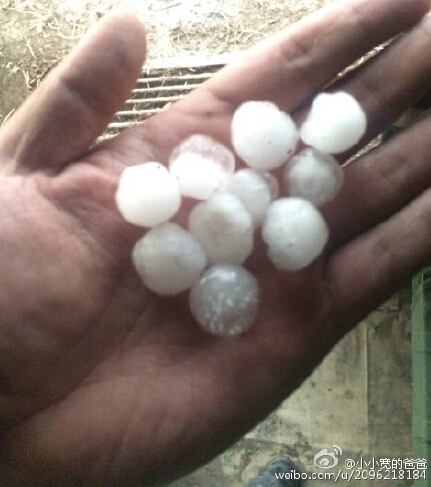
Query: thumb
{"x": 77, "y": 100}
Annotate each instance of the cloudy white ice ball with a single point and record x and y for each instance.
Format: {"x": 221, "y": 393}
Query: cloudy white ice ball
{"x": 263, "y": 136}
{"x": 335, "y": 123}
{"x": 224, "y": 300}
{"x": 202, "y": 165}
{"x": 168, "y": 259}
{"x": 255, "y": 189}
{"x": 313, "y": 175}
{"x": 223, "y": 227}
{"x": 295, "y": 233}
{"x": 147, "y": 194}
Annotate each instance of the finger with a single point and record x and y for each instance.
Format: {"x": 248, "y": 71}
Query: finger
{"x": 393, "y": 81}
{"x": 291, "y": 66}
{"x": 288, "y": 68}
{"x": 381, "y": 224}
{"x": 73, "y": 105}
{"x": 373, "y": 266}
{"x": 381, "y": 183}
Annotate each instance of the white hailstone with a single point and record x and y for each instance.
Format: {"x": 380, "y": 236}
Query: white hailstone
{"x": 335, "y": 123}
{"x": 263, "y": 136}
{"x": 202, "y": 165}
{"x": 223, "y": 227}
{"x": 313, "y": 175}
{"x": 224, "y": 300}
{"x": 168, "y": 259}
{"x": 295, "y": 233}
{"x": 254, "y": 189}
{"x": 147, "y": 194}
{"x": 274, "y": 186}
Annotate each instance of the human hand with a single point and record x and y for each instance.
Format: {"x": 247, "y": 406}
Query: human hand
{"x": 103, "y": 383}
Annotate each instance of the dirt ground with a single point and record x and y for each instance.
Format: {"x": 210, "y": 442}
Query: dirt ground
{"x": 36, "y": 34}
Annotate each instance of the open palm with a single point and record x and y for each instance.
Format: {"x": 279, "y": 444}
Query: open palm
{"x": 104, "y": 383}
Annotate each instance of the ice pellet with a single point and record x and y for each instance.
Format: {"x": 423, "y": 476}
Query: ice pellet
{"x": 313, "y": 175}
{"x": 224, "y": 300}
{"x": 295, "y": 233}
{"x": 147, "y": 194}
{"x": 273, "y": 185}
{"x": 263, "y": 136}
{"x": 254, "y": 189}
{"x": 168, "y": 259}
{"x": 335, "y": 123}
{"x": 224, "y": 228}
{"x": 202, "y": 165}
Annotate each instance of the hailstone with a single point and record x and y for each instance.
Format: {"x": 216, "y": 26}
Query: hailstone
{"x": 224, "y": 300}
{"x": 202, "y": 165}
{"x": 263, "y": 136}
{"x": 168, "y": 259}
{"x": 313, "y": 175}
{"x": 223, "y": 227}
{"x": 254, "y": 189}
{"x": 335, "y": 123}
{"x": 273, "y": 184}
{"x": 295, "y": 233}
{"x": 147, "y": 194}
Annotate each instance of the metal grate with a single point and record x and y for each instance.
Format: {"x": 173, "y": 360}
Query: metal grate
{"x": 163, "y": 83}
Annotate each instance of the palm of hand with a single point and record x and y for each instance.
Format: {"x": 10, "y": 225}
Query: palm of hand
{"x": 101, "y": 380}
{"x": 100, "y": 356}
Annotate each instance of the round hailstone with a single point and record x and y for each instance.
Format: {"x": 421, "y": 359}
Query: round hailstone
{"x": 335, "y": 123}
{"x": 224, "y": 300}
{"x": 168, "y": 259}
{"x": 295, "y": 233}
{"x": 263, "y": 136}
{"x": 254, "y": 189}
{"x": 147, "y": 194}
{"x": 313, "y": 175}
{"x": 274, "y": 186}
{"x": 224, "y": 228}
{"x": 202, "y": 165}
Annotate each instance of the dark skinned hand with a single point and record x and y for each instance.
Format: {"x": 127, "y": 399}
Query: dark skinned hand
{"x": 103, "y": 383}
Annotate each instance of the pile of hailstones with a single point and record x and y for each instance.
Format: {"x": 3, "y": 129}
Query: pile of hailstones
{"x": 230, "y": 205}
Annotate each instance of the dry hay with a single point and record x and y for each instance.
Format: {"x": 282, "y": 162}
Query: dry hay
{"x": 36, "y": 34}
